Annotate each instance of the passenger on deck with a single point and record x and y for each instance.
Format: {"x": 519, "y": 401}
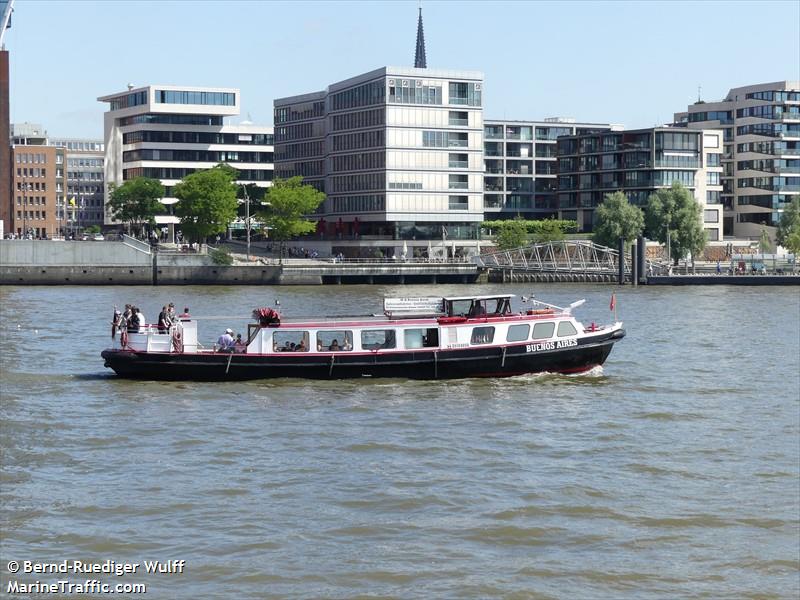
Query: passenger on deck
{"x": 185, "y": 314}
{"x": 225, "y": 341}
{"x": 239, "y": 347}
{"x": 301, "y": 347}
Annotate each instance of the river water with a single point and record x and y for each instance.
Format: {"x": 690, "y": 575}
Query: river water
{"x": 672, "y": 472}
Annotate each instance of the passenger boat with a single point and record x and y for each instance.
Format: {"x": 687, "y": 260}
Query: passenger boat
{"x": 414, "y": 338}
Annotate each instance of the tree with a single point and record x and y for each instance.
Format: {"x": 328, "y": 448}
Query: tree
{"x": 675, "y": 214}
{"x": 137, "y": 201}
{"x": 511, "y": 234}
{"x": 791, "y": 240}
{"x": 207, "y": 202}
{"x": 617, "y": 218}
{"x": 764, "y": 242}
{"x": 549, "y": 230}
{"x": 790, "y": 220}
{"x": 288, "y": 203}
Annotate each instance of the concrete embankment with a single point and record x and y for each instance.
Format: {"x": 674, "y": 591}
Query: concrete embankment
{"x": 34, "y": 262}
{"x": 724, "y": 280}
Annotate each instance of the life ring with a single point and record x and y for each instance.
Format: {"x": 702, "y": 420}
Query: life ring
{"x": 177, "y": 341}
{"x": 123, "y": 338}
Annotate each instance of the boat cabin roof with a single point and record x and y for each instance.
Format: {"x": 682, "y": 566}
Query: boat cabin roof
{"x": 491, "y": 297}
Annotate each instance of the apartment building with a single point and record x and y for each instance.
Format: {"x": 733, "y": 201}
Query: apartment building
{"x": 37, "y": 181}
{"x": 639, "y": 162}
{"x": 167, "y": 132}
{"x": 521, "y": 165}
{"x": 761, "y": 158}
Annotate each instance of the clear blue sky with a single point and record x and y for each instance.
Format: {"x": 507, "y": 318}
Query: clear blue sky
{"x": 634, "y": 63}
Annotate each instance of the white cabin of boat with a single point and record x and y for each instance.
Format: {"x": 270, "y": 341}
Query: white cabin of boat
{"x": 419, "y": 324}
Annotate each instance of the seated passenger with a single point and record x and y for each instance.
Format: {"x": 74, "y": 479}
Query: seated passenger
{"x": 239, "y": 347}
{"x": 301, "y": 347}
{"x": 334, "y": 347}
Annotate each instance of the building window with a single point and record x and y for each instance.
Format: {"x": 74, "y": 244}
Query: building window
{"x": 465, "y": 93}
{"x": 713, "y": 235}
{"x": 458, "y": 202}
{"x": 710, "y": 216}
{"x": 195, "y": 97}
{"x": 458, "y": 118}
{"x": 712, "y": 178}
{"x": 459, "y": 182}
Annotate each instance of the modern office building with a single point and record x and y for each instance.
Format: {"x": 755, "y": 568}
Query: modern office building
{"x": 639, "y": 162}
{"x": 761, "y": 158}
{"x": 167, "y": 132}
{"x": 37, "y": 181}
{"x": 521, "y": 165}
{"x": 398, "y": 152}
{"x": 83, "y": 201}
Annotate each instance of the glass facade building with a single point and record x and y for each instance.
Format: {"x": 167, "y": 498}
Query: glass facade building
{"x": 397, "y": 151}
{"x": 638, "y": 162}
{"x": 760, "y": 125}
{"x": 520, "y": 178}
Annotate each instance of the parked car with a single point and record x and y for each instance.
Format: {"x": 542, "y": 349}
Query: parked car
{"x": 98, "y": 237}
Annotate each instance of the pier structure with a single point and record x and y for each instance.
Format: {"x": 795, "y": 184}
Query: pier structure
{"x": 564, "y": 260}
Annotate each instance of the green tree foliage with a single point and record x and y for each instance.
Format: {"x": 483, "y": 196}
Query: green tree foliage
{"x": 207, "y": 202}
{"x": 764, "y": 241}
{"x": 675, "y": 210}
{"x": 511, "y": 234}
{"x": 221, "y": 256}
{"x": 616, "y": 217}
{"x": 791, "y": 241}
{"x": 548, "y": 230}
{"x": 540, "y": 229}
{"x": 288, "y": 203}
{"x": 137, "y": 201}
{"x": 790, "y": 221}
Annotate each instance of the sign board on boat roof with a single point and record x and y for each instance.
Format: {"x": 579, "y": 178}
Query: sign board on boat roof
{"x": 413, "y": 306}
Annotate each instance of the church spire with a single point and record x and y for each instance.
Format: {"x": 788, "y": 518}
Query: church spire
{"x": 419, "y": 54}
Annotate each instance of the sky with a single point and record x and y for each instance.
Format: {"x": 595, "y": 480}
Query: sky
{"x": 632, "y": 63}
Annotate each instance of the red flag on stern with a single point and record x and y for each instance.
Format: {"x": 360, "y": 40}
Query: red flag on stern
{"x": 613, "y": 303}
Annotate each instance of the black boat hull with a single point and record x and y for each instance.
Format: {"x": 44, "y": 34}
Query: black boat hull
{"x": 516, "y": 359}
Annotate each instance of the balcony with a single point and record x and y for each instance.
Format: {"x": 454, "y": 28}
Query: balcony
{"x": 459, "y": 185}
{"x": 458, "y": 164}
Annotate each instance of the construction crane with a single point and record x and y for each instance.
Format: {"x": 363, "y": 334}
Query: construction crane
{"x": 6, "y": 8}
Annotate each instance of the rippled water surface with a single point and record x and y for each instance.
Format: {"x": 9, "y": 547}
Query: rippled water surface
{"x": 673, "y": 472}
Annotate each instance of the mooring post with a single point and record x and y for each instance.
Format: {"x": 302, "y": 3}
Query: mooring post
{"x": 621, "y": 261}
{"x": 634, "y": 265}
{"x": 641, "y": 243}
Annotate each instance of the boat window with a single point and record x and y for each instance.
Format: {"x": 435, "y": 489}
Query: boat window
{"x": 290, "y": 341}
{"x": 518, "y": 333}
{"x": 460, "y": 308}
{"x": 335, "y": 341}
{"x": 542, "y": 331}
{"x": 566, "y": 328}
{"x": 482, "y": 335}
{"x": 376, "y": 339}
{"x": 421, "y": 338}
